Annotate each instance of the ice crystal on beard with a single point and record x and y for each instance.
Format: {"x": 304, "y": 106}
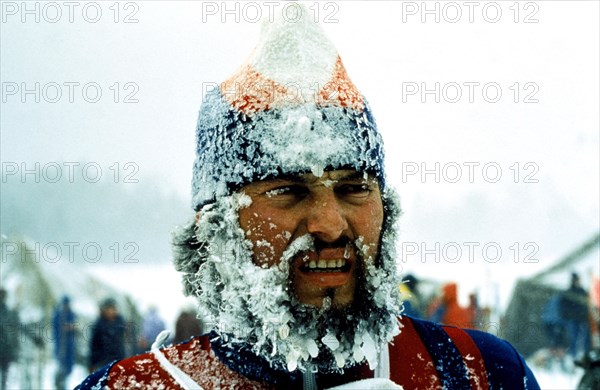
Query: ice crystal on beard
{"x": 247, "y": 304}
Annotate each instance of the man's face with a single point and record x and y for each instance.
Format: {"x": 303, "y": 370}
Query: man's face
{"x": 335, "y": 209}
{"x": 110, "y": 313}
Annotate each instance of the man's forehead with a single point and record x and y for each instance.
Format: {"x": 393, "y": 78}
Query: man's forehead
{"x": 328, "y": 176}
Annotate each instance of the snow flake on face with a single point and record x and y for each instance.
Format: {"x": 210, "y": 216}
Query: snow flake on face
{"x": 275, "y": 192}
{"x": 329, "y": 183}
{"x": 242, "y": 200}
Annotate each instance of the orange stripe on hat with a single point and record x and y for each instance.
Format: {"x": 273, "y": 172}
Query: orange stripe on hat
{"x": 340, "y": 90}
{"x": 249, "y": 91}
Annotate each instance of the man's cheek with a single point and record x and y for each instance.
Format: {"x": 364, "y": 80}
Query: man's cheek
{"x": 264, "y": 253}
{"x": 369, "y": 251}
{"x": 268, "y": 245}
{"x": 283, "y": 238}
{"x": 255, "y": 233}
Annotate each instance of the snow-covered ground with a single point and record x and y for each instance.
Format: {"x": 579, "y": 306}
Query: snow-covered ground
{"x": 556, "y": 379}
{"x": 21, "y": 377}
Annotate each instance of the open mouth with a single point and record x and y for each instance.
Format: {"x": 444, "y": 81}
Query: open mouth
{"x": 325, "y": 267}
{"x": 322, "y": 266}
{"x": 325, "y": 273}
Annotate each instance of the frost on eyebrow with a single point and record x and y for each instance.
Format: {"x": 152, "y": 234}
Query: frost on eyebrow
{"x": 276, "y": 191}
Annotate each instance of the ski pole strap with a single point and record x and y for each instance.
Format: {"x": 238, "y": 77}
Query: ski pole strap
{"x": 428, "y": 355}
{"x": 471, "y": 355}
{"x": 448, "y": 361}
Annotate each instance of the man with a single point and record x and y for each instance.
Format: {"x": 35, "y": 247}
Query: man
{"x": 152, "y": 325}
{"x": 411, "y": 298}
{"x": 448, "y": 311}
{"x": 575, "y": 311}
{"x": 63, "y": 330}
{"x": 187, "y": 325}
{"x": 291, "y": 253}
{"x": 108, "y": 336}
{"x": 554, "y": 328}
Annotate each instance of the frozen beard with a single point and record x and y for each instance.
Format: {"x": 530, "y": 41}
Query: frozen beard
{"x": 255, "y": 306}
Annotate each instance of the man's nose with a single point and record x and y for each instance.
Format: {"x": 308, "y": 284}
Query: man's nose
{"x": 326, "y": 219}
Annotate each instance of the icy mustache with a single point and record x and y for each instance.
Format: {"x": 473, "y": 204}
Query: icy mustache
{"x": 306, "y": 243}
{"x": 301, "y": 244}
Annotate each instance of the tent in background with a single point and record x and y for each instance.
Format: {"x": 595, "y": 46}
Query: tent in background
{"x": 522, "y": 325}
{"x": 35, "y": 283}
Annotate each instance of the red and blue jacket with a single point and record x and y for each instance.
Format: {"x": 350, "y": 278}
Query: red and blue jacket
{"x": 425, "y": 355}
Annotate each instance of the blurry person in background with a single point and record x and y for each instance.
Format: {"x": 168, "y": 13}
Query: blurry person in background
{"x": 411, "y": 298}
{"x": 108, "y": 336}
{"x": 554, "y": 328}
{"x": 187, "y": 325}
{"x": 575, "y": 311}
{"x": 152, "y": 325}
{"x": 475, "y": 312}
{"x": 590, "y": 361}
{"x": 595, "y": 301}
{"x": 9, "y": 338}
{"x": 447, "y": 310}
{"x": 63, "y": 330}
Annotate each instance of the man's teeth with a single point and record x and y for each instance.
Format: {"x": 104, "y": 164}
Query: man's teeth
{"x": 325, "y": 264}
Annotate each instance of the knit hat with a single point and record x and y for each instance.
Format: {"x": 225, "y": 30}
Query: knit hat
{"x": 291, "y": 108}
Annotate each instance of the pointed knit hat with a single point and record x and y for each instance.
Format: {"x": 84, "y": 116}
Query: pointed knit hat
{"x": 291, "y": 108}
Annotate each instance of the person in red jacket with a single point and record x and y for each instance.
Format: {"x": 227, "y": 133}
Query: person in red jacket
{"x": 291, "y": 253}
{"x": 448, "y": 311}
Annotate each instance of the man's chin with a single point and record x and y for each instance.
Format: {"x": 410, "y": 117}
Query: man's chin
{"x": 332, "y": 323}
{"x": 325, "y": 290}
{"x": 330, "y": 298}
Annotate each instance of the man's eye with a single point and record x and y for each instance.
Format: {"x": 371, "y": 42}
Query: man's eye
{"x": 354, "y": 190}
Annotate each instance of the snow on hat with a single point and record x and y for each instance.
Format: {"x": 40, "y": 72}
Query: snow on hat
{"x": 290, "y": 108}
